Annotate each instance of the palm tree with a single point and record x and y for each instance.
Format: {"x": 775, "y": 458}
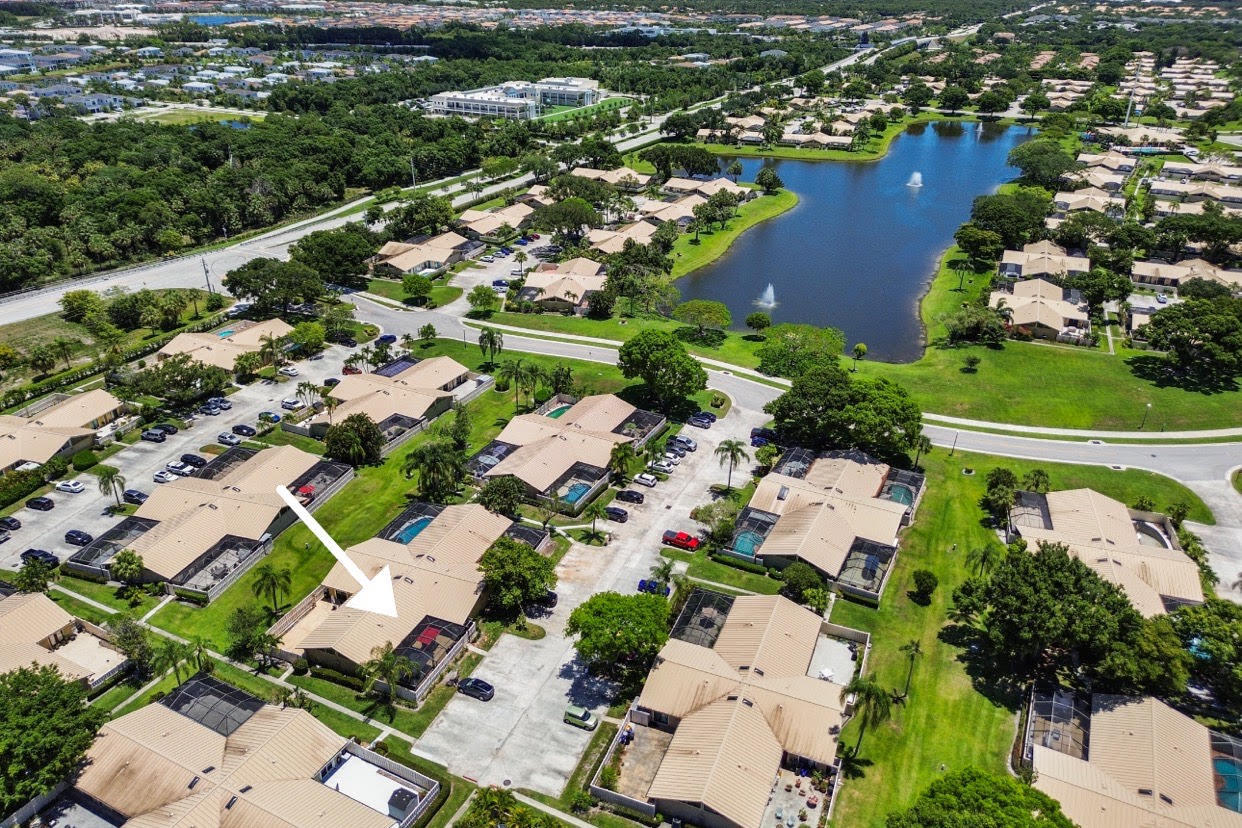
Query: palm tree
{"x": 265, "y": 645}
{"x": 248, "y": 363}
{"x": 922, "y": 445}
{"x": 663, "y": 571}
{"x": 64, "y": 346}
{"x": 330, "y": 404}
{"x": 520, "y": 257}
{"x": 168, "y": 655}
{"x": 512, "y": 371}
{"x": 983, "y": 558}
{"x": 913, "y": 650}
{"x": 731, "y": 452}
{"x": 111, "y": 482}
{"x": 407, "y": 341}
{"x": 439, "y": 466}
{"x": 594, "y": 511}
{"x": 387, "y": 666}
{"x": 532, "y": 376}
{"x": 491, "y": 342}
{"x": 308, "y": 392}
{"x": 860, "y": 352}
{"x": 269, "y": 348}
{"x": 270, "y": 581}
{"x": 872, "y": 704}
{"x": 196, "y": 648}
{"x": 621, "y": 460}
{"x": 653, "y": 452}
{"x": 1036, "y": 480}
{"x": 1237, "y": 584}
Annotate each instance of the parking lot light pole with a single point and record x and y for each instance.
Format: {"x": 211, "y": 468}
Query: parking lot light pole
{"x": 1146, "y": 411}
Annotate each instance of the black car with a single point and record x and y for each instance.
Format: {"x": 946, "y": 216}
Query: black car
{"x": 631, "y": 496}
{"x": 476, "y": 689}
{"x": 165, "y": 428}
{"x": 244, "y": 430}
{"x": 77, "y": 537}
{"x": 706, "y": 415}
{"x": 541, "y": 605}
{"x": 193, "y": 460}
{"x": 387, "y": 339}
{"x": 763, "y": 434}
{"x": 40, "y": 504}
{"x": 40, "y": 555}
{"x": 616, "y": 514}
{"x": 134, "y": 496}
{"x": 347, "y": 341}
{"x": 331, "y": 382}
{"x": 10, "y": 523}
{"x": 151, "y": 435}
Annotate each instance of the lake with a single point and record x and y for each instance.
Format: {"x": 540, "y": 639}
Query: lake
{"x": 859, "y": 249}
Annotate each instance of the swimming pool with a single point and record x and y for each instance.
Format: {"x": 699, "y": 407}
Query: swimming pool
{"x": 557, "y": 412}
{"x": 223, "y": 334}
{"x": 576, "y": 492}
{"x": 411, "y": 531}
{"x": 898, "y": 493}
{"x": 1229, "y": 779}
{"x": 747, "y": 542}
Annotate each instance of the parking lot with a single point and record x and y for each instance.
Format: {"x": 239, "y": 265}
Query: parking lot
{"x": 138, "y": 463}
{"x": 519, "y": 737}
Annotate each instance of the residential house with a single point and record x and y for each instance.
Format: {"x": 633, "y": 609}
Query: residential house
{"x": 210, "y": 754}
{"x": 59, "y": 426}
{"x": 35, "y": 630}
{"x": 222, "y": 348}
{"x": 1042, "y": 258}
{"x": 707, "y": 187}
{"x": 427, "y": 256}
{"x": 1137, "y": 551}
{"x": 497, "y": 225}
{"x": 1089, "y": 198}
{"x": 680, "y": 211}
{"x": 561, "y": 451}
{"x": 1129, "y": 761}
{"x": 1113, "y": 162}
{"x": 1211, "y": 171}
{"x": 623, "y": 178}
{"x": 613, "y": 241}
{"x": 839, "y": 512}
{"x": 566, "y": 286}
{"x": 1041, "y": 309}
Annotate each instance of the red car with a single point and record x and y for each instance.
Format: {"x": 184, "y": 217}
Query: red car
{"x": 351, "y": 369}
{"x": 682, "y": 540}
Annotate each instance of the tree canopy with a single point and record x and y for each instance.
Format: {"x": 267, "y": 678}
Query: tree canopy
{"x": 356, "y": 440}
{"x": 790, "y": 349}
{"x": 514, "y": 574}
{"x": 618, "y": 634}
{"x": 973, "y": 798}
{"x": 660, "y": 360}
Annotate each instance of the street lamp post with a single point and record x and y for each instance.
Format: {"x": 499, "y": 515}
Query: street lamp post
{"x": 1146, "y": 411}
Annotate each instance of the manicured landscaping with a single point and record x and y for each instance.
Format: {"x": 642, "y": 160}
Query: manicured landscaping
{"x": 114, "y": 695}
{"x": 951, "y": 719}
{"x": 279, "y": 437}
{"x": 688, "y": 256}
{"x": 108, "y": 594}
{"x": 79, "y": 609}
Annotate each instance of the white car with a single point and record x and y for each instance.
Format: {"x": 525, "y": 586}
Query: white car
{"x": 164, "y": 476}
{"x": 662, "y": 466}
{"x": 671, "y": 458}
{"x": 489, "y": 259}
{"x": 291, "y": 404}
{"x": 70, "y": 486}
{"x": 289, "y": 371}
{"x": 646, "y": 480}
{"x": 180, "y": 469}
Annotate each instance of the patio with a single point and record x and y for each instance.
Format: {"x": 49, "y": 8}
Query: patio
{"x": 369, "y": 784}
{"x": 833, "y": 660}
{"x": 319, "y": 612}
{"x": 791, "y": 794}
{"x": 640, "y": 760}
{"x": 90, "y": 652}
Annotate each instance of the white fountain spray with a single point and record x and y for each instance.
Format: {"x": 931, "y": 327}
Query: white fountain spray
{"x": 916, "y": 179}
{"x": 767, "y": 299}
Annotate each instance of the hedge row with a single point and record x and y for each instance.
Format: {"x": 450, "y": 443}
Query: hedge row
{"x": 14, "y": 485}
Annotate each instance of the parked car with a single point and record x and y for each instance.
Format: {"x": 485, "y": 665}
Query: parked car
{"x": 488, "y": 258}
{"x": 179, "y": 468}
{"x": 630, "y": 496}
{"x": 387, "y": 339}
{"x": 134, "y": 496}
{"x": 535, "y": 236}
{"x": 671, "y": 455}
{"x": 645, "y": 479}
{"x": 675, "y": 449}
{"x": 580, "y": 717}
{"x": 682, "y": 540}
{"x": 41, "y": 504}
{"x": 291, "y": 404}
{"x": 476, "y": 689}
{"x": 269, "y": 417}
{"x": 70, "y": 486}
{"x": 346, "y": 340}
{"x": 220, "y": 403}
{"x": 759, "y": 442}
{"x": 653, "y": 587}
{"x": 153, "y": 436}
{"x": 162, "y": 476}
{"x": 506, "y": 250}
{"x": 209, "y": 410}
{"x": 500, "y": 284}
{"x": 522, "y": 242}
{"x": 616, "y": 514}
{"x": 289, "y": 371}
{"x": 40, "y": 555}
{"x": 699, "y": 422}
{"x": 244, "y": 430}
{"x": 224, "y": 438}
{"x": 766, "y": 433}
{"x": 350, "y": 370}
{"x": 193, "y": 460}
{"x": 1162, "y": 299}
{"x": 662, "y": 466}
{"x": 10, "y": 523}
{"x": 4, "y": 535}
{"x": 706, "y": 415}
{"x": 331, "y": 382}
{"x": 688, "y": 443}
{"x": 165, "y": 428}
{"x": 76, "y": 537}
{"x": 547, "y": 602}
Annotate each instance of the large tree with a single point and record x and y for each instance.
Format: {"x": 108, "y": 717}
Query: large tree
{"x": 660, "y": 360}
{"x": 1016, "y": 217}
{"x": 619, "y": 635}
{"x": 973, "y": 798}
{"x": 46, "y": 727}
{"x": 1213, "y": 632}
{"x": 337, "y": 256}
{"x": 272, "y": 285}
{"x": 514, "y": 575}
{"x": 790, "y": 349}
{"x": 356, "y": 440}
{"x": 569, "y": 218}
{"x": 1202, "y": 337}
{"x": 420, "y": 215}
{"x": 982, "y": 247}
{"x": 703, "y": 314}
{"x": 181, "y": 379}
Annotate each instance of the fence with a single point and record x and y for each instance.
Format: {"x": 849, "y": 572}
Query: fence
{"x": 290, "y": 619}
{"x": 603, "y": 794}
{"x": 850, "y": 634}
{"x": 28, "y": 811}
{"x": 402, "y": 772}
{"x": 213, "y": 592}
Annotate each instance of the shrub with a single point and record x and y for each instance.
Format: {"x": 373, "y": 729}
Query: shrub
{"x": 301, "y": 667}
{"x": 925, "y": 583}
{"x": 608, "y": 778}
{"x": 737, "y": 563}
{"x": 352, "y": 682}
{"x": 579, "y": 801}
{"x": 215, "y": 301}
{"x": 83, "y": 460}
{"x": 501, "y": 386}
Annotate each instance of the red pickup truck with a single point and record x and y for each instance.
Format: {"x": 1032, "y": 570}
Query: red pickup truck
{"x": 682, "y": 540}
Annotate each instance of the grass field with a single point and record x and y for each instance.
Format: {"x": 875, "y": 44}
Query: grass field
{"x": 192, "y": 116}
{"x": 688, "y": 256}
{"x": 441, "y": 294}
{"x": 560, "y": 113}
{"x": 951, "y": 719}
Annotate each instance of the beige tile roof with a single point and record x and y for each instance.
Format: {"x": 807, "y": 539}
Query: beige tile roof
{"x": 433, "y": 252}
{"x": 433, "y": 372}
{"x": 723, "y": 756}
{"x": 142, "y": 765}
{"x": 412, "y": 393}
{"x": 1137, "y": 744}
{"x": 23, "y": 442}
{"x": 222, "y": 352}
{"x": 769, "y": 633}
{"x": 194, "y": 514}
{"x": 79, "y": 410}
{"x": 31, "y": 617}
{"x": 682, "y": 208}
{"x": 557, "y": 285}
{"x": 1045, "y": 257}
{"x": 613, "y": 177}
{"x": 1040, "y": 302}
{"x": 613, "y": 241}
{"x": 485, "y": 223}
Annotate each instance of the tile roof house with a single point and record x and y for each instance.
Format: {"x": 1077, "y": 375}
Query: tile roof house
{"x": 1042, "y": 258}
{"x": 35, "y": 630}
{"x": 426, "y": 256}
{"x": 491, "y": 224}
{"x": 564, "y": 286}
{"x": 222, "y": 348}
{"x": 1040, "y": 309}
{"x": 622, "y": 178}
{"x": 394, "y": 398}
{"x": 1137, "y": 551}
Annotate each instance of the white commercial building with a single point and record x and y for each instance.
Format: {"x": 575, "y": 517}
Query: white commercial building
{"x": 516, "y": 99}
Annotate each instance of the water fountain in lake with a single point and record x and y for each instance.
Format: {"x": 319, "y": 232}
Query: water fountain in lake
{"x": 767, "y": 299}
{"x": 916, "y": 179}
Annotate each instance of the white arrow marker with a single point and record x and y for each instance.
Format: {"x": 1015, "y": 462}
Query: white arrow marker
{"x": 376, "y": 594}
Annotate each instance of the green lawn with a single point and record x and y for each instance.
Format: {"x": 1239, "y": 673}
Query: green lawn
{"x": 950, "y": 719}
{"x": 79, "y": 609}
{"x": 560, "y": 113}
{"x": 114, "y": 695}
{"x": 441, "y": 293}
{"x": 396, "y": 716}
{"x": 279, "y": 437}
{"x": 688, "y": 256}
{"x": 108, "y": 595}
{"x": 190, "y": 116}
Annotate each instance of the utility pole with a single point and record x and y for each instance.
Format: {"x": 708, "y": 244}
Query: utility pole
{"x": 413, "y": 174}
{"x": 207, "y": 274}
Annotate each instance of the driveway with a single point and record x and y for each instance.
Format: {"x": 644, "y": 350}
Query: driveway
{"x": 519, "y": 736}
{"x": 138, "y": 463}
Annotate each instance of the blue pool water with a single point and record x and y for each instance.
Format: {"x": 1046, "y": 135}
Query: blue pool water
{"x": 1229, "y": 777}
{"x": 411, "y": 531}
{"x": 576, "y": 493}
{"x": 898, "y": 493}
{"x": 747, "y": 542}
{"x": 223, "y": 334}
{"x": 557, "y": 412}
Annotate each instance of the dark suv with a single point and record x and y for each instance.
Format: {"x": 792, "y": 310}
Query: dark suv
{"x": 77, "y": 537}
{"x": 630, "y": 496}
{"x": 616, "y": 513}
{"x": 40, "y": 504}
{"x": 40, "y": 555}
{"x": 476, "y": 689}
{"x": 193, "y": 460}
